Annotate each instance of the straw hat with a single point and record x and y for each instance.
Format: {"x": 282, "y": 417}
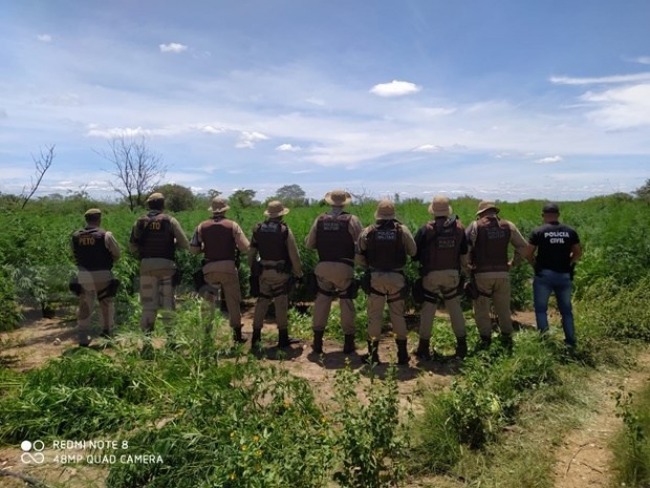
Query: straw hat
{"x": 440, "y": 206}
{"x": 486, "y": 205}
{"x": 218, "y": 205}
{"x": 155, "y": 196}
{"x": 385, "y": 210}
{"x": 338, "y": 198}
{"x": 275, "y": 209}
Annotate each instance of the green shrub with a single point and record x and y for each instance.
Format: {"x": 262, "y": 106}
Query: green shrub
{"x": 10, "y": 315}
{"x": 631, "y": 446}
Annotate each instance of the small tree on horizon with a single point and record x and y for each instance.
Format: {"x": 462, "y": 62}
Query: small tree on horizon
{"x": 137, "y": 168}
{"x": 643, "y": 192}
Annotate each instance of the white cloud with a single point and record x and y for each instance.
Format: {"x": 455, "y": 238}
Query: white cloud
{"x": 428, "y": 148}
{"x": 172, "y": 47}
{"x": 316, "y": 101}
{"x": 566, "y": 80}
{"x": 643, "y": 60}
{"x": 621, "y": 108}
{"x": 44, "y": 37}
{"x": 549, "y": 160}
{"x": 247, "y": 139}
{"x": 288, "y": 148}
{"x": 95, "y": 131}
{"x": 395, "y": 89}
{"x": 209, "y": 129}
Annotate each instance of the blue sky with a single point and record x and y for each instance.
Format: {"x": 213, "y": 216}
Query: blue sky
{"x": 502, "y": 99}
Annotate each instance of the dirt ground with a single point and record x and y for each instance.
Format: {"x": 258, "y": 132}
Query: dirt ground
{"x": 582, "y": 460}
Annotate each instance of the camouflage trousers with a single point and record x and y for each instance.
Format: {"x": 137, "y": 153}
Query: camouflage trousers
{"x": 390, "y": 285}
{"x": 229, "y": 283}
{"x": 156, "y": 292}
{"x": 443, "y": 283}
{"x": 272, "y": 289}
{"x": 493, "y": 290}
{"x": 87, "y": 300}
{"x": 333, "y": 278}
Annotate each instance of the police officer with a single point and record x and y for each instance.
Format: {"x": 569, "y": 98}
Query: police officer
{"x": 334, "y": 235}
{"x": 220, "y": 240}
{"x": 154, "y": 239}
{"x": 95, "y": 251}
{"x": 280, "y": 263}
{"x": 442, "y": 253}
{"x": 489, "y": 237}
{"x": 384, "y": 247}
{"x": 553, "y": 250}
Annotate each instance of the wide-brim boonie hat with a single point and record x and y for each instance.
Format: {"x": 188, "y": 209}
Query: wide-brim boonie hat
{"x": 338, "y": 198}
{"x": 218, "y": 205}
{"x": 385, "y": 210}
{"x": 440, "y": 207}
{"x": 155, "y": 196}
{"x": 486, "y": 205}
{"x": 275, "y": 209}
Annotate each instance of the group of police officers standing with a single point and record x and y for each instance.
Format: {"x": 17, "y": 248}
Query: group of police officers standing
{"x": 448, "y": 255}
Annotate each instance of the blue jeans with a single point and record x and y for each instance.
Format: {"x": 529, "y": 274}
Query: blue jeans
{"x": 545, "y": 283}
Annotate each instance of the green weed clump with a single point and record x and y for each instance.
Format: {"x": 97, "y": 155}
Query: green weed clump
{"x": 74, "y": 396}
{"x": 262, "y": 429}
{"x": 9, "y": 313}
{"x": 371, "y": 438}
{"x": 618, "y": 312}
{"x": 631, "y": 446}
{"x": 479, "y": 404}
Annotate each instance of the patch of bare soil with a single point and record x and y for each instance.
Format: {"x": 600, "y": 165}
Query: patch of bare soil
{"x": 584, "y": 458}
{"x": 37, "y": 339}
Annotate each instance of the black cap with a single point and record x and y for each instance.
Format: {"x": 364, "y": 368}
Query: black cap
{"x": 551, "y": 208}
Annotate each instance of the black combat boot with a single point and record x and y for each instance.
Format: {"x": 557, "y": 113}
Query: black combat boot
{"x": 402, "y": 353}
{"x": 484, "y": 345}
{"x": 317, "y": 345}
{"x": 284, "y": 340}
{"x": 424, "y": 351}
{"x": 506, "y": 341}
{"x": 461, "y": 347}
{"x": 237, "y": 336}
{"x": 349, "y": 346}
{"x": 257, "y": 338}
{"x": 373, "y": 353}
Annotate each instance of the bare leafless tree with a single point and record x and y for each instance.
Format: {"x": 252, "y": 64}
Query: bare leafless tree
{"x": 137, "y": 168}
{"x": 43, "y": 163}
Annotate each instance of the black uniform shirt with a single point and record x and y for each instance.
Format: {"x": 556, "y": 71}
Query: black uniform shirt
{"x": 554, "y": 242}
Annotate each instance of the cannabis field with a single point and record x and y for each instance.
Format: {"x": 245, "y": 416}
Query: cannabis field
{"x": 207, "y": 414}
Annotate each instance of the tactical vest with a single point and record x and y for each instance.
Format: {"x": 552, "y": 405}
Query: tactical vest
{"x": 490, "y": 251}
{"x": 156, "y": 237}
{"x": 442, "y": 245}
{"x": 333, "y": 239}
{"x": 386, "y": 249}
{"x": 218, "y": 241}
{"x": 271, "y": 238}
{"x": 89, "y": 248}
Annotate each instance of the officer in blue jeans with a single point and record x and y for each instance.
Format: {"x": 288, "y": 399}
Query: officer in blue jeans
{"x": 553, "y": 250}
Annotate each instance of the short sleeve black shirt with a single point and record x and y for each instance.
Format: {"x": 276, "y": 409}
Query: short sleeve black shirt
{"x": 554, "y": 242}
